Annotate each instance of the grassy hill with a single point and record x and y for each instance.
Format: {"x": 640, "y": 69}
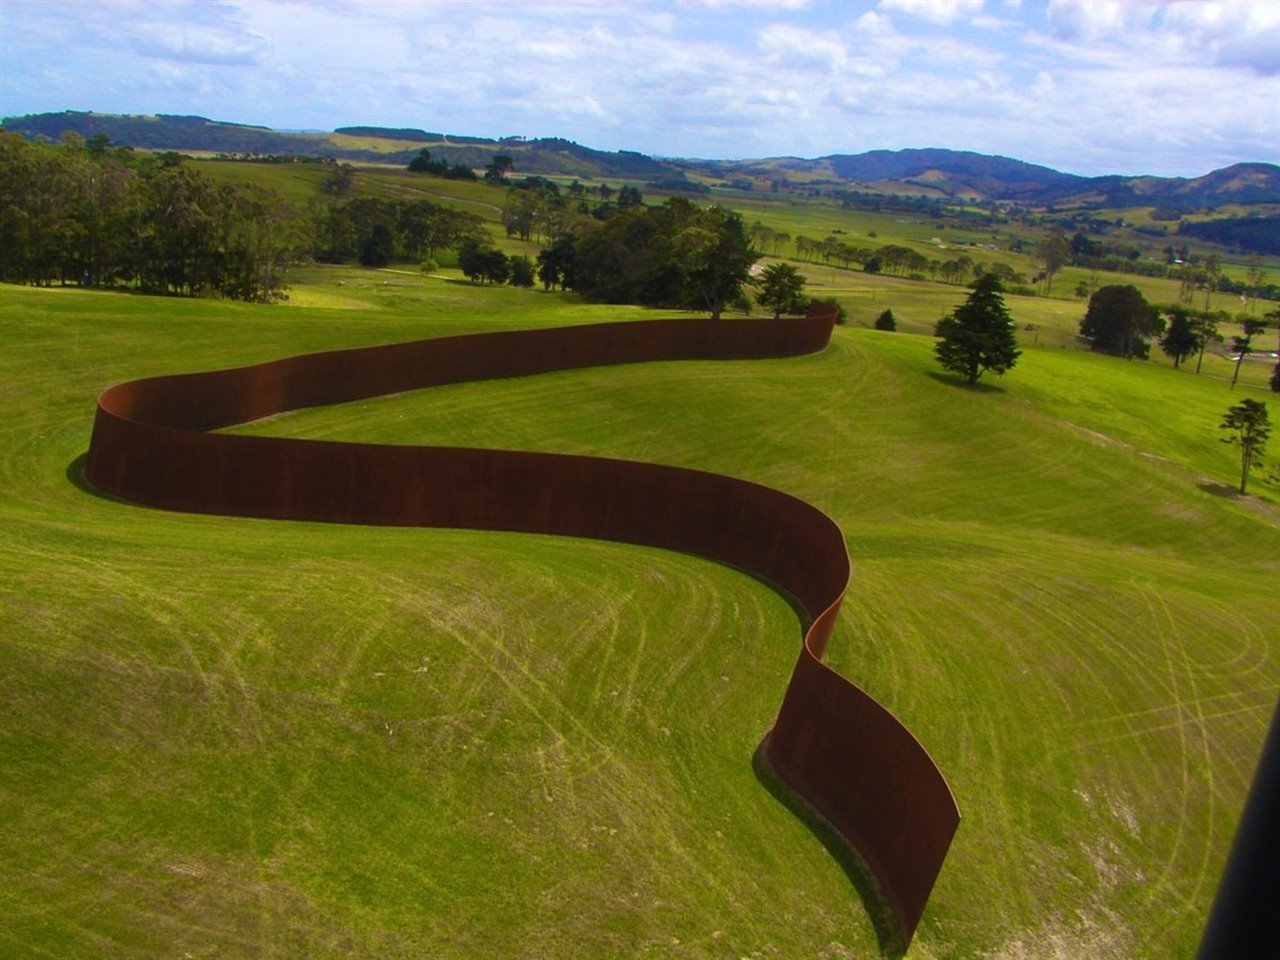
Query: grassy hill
{"x": 364, "y": 144}
{"x": 961, "y": 175}
{"x": 945, "y": 175}
{"x": 240, "y": 737}
{"x": 980, "y": 235}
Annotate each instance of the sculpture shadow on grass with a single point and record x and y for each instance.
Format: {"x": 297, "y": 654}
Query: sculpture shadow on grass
{"x": 857, "y": 870}
{"x": 75, "y": 477}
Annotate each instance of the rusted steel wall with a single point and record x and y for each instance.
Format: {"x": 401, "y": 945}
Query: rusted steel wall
{"x": 832, "y": 743}
{"x": 864, "y": 771}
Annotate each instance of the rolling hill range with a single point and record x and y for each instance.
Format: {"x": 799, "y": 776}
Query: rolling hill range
{"x": 360, "y": 144}
{"x": 938, "y": 173}
{"x": 235, "y": 737}
{"x": 967, "y": 175}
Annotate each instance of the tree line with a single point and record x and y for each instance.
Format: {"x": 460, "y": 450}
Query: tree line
{"x": 375, "y": 232}
{"x": 1193, "y": 271}
{"x": 676, "y": 254}
{"x": 535, "y": 210}
{"x": 82, "y": 212}
{"x": 423, "y": 163}
{"x": 1119, "y": 321}
{"x": 673, "y": 255}
{"x": 893, "y": 259}
{"x": 1256, "y": 234}
{"x": 86, "y": 213}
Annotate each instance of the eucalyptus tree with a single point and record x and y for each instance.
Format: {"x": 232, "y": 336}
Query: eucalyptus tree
{"x": 1205, "y": 325}
{"x": 1054, "y": 252}
{"x": 1243, "y": 344}
{"x": 714, "y": 257}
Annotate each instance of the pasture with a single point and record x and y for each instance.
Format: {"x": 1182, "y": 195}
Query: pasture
{"x": 1054, "y": 319}
{"x": 244, "y": 737}
{"x": 1011, "y": 242}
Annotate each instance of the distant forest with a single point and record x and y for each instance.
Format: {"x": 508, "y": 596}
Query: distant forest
{"x": 1255, "y": 234}
{"x": 87, "y": 213}
{"x": 412, "y": 134}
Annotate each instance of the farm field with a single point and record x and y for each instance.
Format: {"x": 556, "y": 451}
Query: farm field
{"x": 936, "y": 238}
{"x": 241, "y": 737}
{"x": 1057, "y": 316}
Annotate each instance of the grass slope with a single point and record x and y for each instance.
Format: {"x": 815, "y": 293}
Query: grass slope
{"x": 242, "y": 737}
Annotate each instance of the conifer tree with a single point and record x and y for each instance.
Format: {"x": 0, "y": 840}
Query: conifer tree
{"x": 1249, "y": 427}
{"x": 978, "y": 335}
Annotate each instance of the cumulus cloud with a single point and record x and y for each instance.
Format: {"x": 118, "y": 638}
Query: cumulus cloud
{"x": 934, "y": 11}
{"x": 1233, "y": 34}
{"x": 874, "y": 24}
{"x": 1240, "y": 33}
{"x": 1133, "y": 86}
{"x": 1100, "y": 19}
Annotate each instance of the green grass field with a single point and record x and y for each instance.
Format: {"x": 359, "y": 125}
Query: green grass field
{"x": 227, "y": 737}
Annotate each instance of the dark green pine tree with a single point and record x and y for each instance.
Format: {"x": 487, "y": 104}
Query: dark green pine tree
{"x": 1249, "y": 427}
{"x": 1180, "y": 340}
{"x": 978, "y": 335}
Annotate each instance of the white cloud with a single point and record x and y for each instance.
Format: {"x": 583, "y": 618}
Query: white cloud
{"x": 755, "y": 4}
{"x": 208, "y": 33}
{"x": 934, "y": 11}
{"x": 1115, "y": 87}
{"x": 1099, "y": 19}
{"x": 988, "y": 22}
{"x": 200, "y": 43}
{"x": 1241, "y": 33}
{"x": 874, "y": 24}
{"x": 791, "y": 44}
{"x": 1233, "y": 34}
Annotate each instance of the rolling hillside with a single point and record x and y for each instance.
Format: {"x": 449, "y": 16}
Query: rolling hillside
{"x": 243, "y": 737}
{"x": 967, "y": 175}
{"x": 946, "y": 174}
{"x": 365, "y": 144}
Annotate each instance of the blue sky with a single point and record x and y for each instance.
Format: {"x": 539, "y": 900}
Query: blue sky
{"x": 1107, "y": 86}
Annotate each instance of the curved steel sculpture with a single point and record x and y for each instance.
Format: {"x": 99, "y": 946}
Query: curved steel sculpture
{"x": 843, "y": 753}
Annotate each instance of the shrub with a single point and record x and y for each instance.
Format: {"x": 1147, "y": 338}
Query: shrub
{"x": 842, "y": 316}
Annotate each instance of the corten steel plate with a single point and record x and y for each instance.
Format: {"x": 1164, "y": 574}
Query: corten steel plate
{"x": 847, "y": 756}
